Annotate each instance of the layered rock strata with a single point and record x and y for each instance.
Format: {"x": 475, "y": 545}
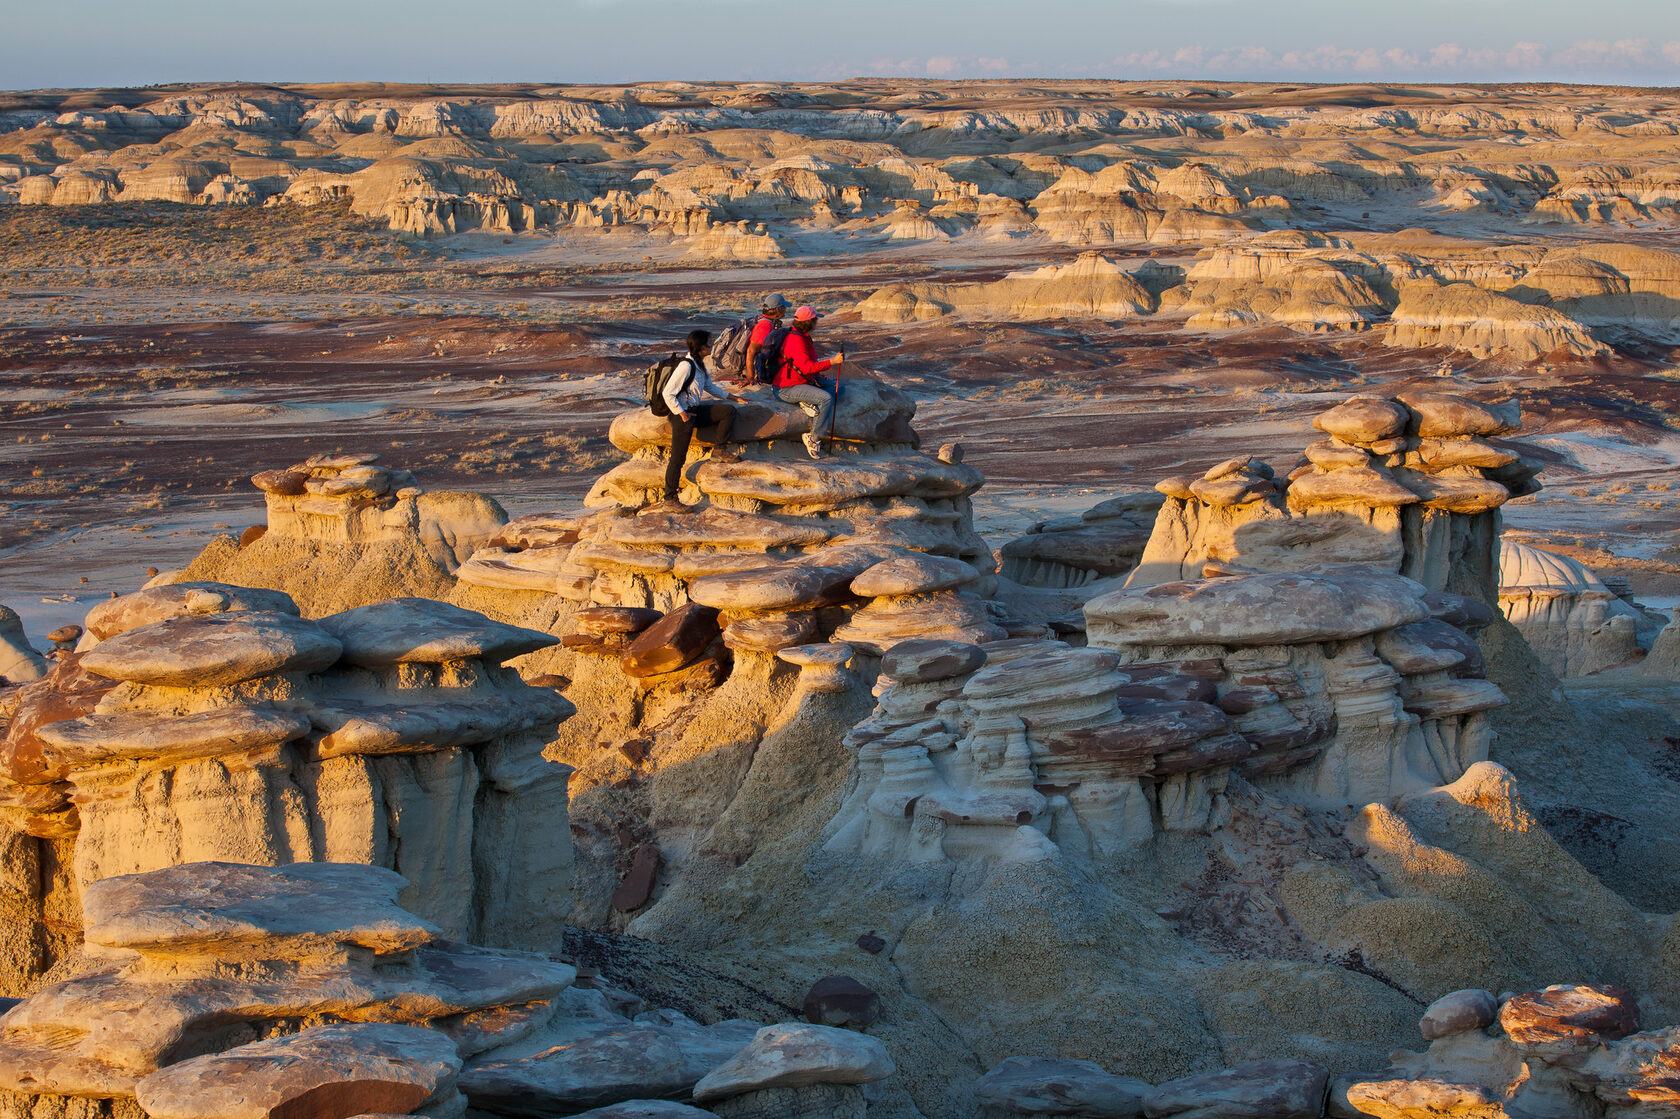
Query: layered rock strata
{"x": 192, "y": 966}
{"x": 343, "y": 532}
{"x": 873, "y": 543}
{"x": 1574, "y": 623}
{"x": 203, "y": 721}
{"x": 1341, "y": 683}
{"x": 1410, "y": 485}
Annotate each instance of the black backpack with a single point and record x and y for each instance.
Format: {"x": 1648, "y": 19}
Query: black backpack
{"x": 657, "y": 374}
{"x": 769, "y": 358}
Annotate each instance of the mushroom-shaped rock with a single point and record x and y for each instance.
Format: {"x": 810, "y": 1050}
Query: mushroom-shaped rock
{"x": 1256, "y": 1090}
{"x": 1458, "y": 1012}
{"x": 793, "y": 1056}
{"x": 173, "y": 600}
{"x": 1441, "y": 414}
{"x": 65, "y": 635}
{"x": 677, "y": 639}
{"x": 327, "y": 1070}
{"x": 822, "y": 666}
{"x": 1332, "y": 604}
{"x": 206, "y": 650}
{"x": 1569, "y": 1015}
{"x": 913, "y": 662}
{"x": 425, "y": 631}
{"x": 913, "y": 574}
{"x": 97, "y": 738}
{"x": 753, "y": 422}
{"x": 1364, "y": 419}
{"x": 287, "y": 909}
{"x": 1020, "y": 1086}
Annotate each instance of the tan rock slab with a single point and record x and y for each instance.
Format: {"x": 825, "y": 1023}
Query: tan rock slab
{"x": 324, "y": 1071}
{"x": 1569, "y": 1015}
{"x": 206, "y": 650}
{"x": 1355, "y": 485}
{"x": 792, "y": 1056}
{"x": 1274, "y": 1089}
{"x": 601, "y": 620}
{"x": 427, "y": 725}
{"x": 154, "y": 604}
{"x": 425, "y": 631}
{"x": 770, "y": 632}
{"x": 913, "y": 574}
{"x": 1442, "y": 454}
{"x": 718, "y": 528}
{"x": 1456, "y": 491}
{"x": 93, "y": 739}
{"x": 1330, "y": 605}
{"x": 535, "y": 569}
{"x": 677, "y": 639}
{"x": 912, "y": 662}
{"x": 782, "y": 586}
{"x": 288, "y": 910}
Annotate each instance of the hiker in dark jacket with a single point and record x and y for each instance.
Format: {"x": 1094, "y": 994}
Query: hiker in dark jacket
{"x": 685, "y": 392}
{"x": 799, "y": 379}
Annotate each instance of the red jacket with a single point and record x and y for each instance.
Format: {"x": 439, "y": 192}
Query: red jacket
{"x": 799, "y": 361}
{"x": 761, "y": 330}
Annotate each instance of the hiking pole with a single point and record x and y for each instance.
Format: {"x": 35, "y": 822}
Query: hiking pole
{"x": 834, "y": 412}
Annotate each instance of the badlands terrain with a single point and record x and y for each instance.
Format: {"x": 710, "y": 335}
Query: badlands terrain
{"x": 1229, "y": 633}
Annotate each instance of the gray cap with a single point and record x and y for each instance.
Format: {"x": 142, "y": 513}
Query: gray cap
{"x": 774, "y": 302}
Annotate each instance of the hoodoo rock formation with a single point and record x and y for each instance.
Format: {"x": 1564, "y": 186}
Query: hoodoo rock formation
{"x": 1573, "y": 621}
{"x": 204, "y": 721}
{"x": 1410, "y": 485}
{"x": 345, "y": 532}
{"x": 218, "y": 990}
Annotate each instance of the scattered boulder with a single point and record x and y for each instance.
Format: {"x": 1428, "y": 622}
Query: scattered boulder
{"x": 1256, "y": 1090}
{"x": 840, "y": 1000}
{"x": 1458, "y": 1012}
{"x": 1042, "y": 1086}
{"x": 794, "y": 1056}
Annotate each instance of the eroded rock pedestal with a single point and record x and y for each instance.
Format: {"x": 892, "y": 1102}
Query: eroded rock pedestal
{"x": 1410, "y": 485}
{"x": 1343, "y": 684}
{"x": 343, "y": 531}
{"x": 202, "y": 721}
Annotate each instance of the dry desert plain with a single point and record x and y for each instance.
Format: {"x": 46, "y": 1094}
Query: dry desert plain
{"x": 1314, "y": 829}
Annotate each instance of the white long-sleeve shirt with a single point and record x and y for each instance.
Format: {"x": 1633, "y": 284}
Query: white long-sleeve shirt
{"x": 688, "y": 385}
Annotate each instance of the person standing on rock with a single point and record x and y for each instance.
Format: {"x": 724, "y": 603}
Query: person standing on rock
{"x": 685, "y": 391}
{"x": 770, "y": 311}
{"x": 799, "y": 378}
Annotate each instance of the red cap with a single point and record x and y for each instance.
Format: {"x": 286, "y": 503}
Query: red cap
{"x": 805, "y": 314}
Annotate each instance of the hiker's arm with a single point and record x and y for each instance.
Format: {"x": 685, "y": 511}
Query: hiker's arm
{"x": 803, "y": 357}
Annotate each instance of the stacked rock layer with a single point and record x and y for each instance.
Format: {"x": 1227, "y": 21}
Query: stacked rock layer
{"x": 1410, "y": 485}
{"x": 344, "y": 532}
{"x": 204, "y": 721}
{"x": 872, "y": 544}
{"x": 1346, "y": 684}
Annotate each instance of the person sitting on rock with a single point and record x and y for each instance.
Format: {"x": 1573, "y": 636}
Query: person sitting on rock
{"x": 685, "y": 389}
{"x": 770, "y": 311}
{"x": 799, "y": 378}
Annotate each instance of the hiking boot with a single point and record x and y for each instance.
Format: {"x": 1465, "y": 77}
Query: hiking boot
{"x": 726, "y": 454}
{"x": 813, "y": 444}
{"x": 669, "y": 505}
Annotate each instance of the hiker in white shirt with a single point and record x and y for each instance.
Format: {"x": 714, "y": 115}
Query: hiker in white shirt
{"x": 685, "y": 392}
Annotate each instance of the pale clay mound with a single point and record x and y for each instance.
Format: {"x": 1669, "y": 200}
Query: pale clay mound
{"x": 1286, "y": 779}
{"x": 771, "y": 171}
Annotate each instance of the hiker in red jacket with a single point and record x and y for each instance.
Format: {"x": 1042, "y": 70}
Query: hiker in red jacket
{"x": 799, "y": 379}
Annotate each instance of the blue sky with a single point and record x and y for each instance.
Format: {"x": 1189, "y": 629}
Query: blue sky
{"x": 122, "y": 42}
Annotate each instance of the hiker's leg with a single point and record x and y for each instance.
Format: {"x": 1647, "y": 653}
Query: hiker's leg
{"x": 681, "y": 433}
{"x": 811, "y": 394}
{"x": 718, "y": 416}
